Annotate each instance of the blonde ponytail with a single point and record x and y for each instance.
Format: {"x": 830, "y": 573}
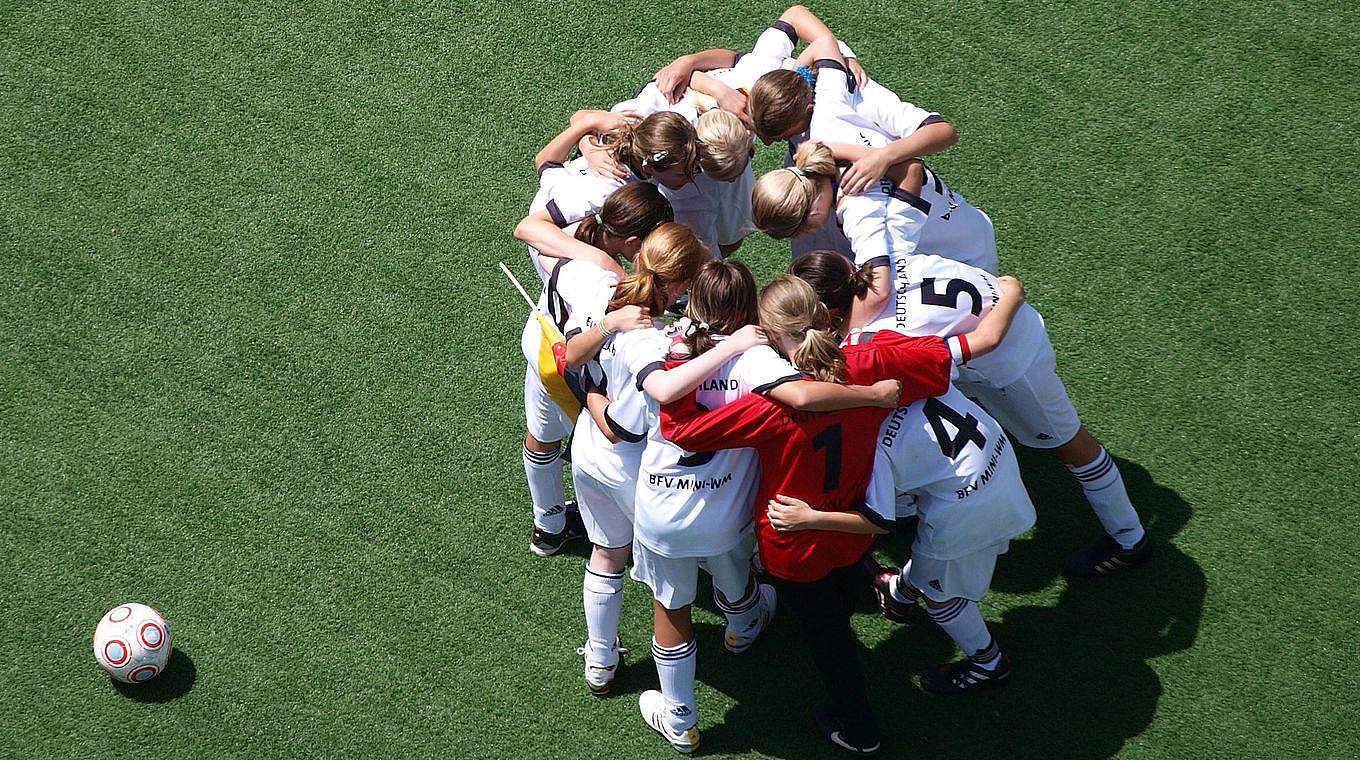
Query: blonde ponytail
{"x": 670, "y": 255}
{"x": 789, "y": 308}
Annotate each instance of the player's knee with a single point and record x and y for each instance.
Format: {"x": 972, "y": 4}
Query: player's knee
{"x": 542, "y": 447}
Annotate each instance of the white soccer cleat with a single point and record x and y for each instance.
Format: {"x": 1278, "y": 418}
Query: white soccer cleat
{"x": 740, "y": 641}
{"x": 652, "y": 703}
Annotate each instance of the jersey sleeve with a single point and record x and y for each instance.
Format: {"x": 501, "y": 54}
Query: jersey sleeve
{"x": 588, "y": 302}
{"x": 571, "y": 200}
{"x": 923, "y": 365}
{"x": 763, "y": 370}
{"x": 747, "y": 422}
{"x": 896, "y": 117}
{"x": 833, "y": 83}
{"x": 772, "y": 46}
{"x": 645, "y": 356}
{"x": 881, "y": 498}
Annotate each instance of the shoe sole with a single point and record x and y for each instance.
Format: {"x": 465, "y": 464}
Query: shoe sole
{"x": 993, "y": 683}
{"x": 600, "y": 691}
{"x": 545, "y": 552}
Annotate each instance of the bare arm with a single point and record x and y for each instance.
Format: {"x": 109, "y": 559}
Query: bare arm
{"x": 596, "y": 404}
{"x": 805, "y": 23}
{"x": 727, "y": 98}
{"x": 814, "y": 396}
{"x": 992, "y": 329}
{"x": 582, "y": 123}
{"x": 867, "y": 308}
{"x": 673, "y": 384}
{"x": 584, "y": 345}
{"x": 539, "y": 231}
{"x": 878, "y": 162}
{"x": 675, "y": 76}
{"x": 789, "y": 514}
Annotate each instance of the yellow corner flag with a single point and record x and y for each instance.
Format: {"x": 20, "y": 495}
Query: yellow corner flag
{"x": 552, "y": 356}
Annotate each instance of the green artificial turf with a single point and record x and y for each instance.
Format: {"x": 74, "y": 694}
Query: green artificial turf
{"x": 257, "y": 368}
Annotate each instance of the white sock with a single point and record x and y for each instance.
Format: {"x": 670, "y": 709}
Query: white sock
{"x": 543, "y": 470}
{"x": 895, "y": 586}
{"x": 962, "y": 620}
{"x": 675, "y": 670}
{"x": 1104, "y": 488}
{"x": 744, "y": 611}
{"x": 603, "y": 596}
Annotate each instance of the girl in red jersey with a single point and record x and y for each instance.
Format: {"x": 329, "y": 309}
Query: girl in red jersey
{"x": 826, "y": 459}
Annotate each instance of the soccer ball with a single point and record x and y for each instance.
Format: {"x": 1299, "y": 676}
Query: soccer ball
{"x": 132, "y": 643}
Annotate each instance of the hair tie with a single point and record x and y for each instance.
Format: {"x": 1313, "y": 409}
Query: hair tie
{"x": 599, "y": 220}
{"x": 798, "y": 171}
{"x": 807, "y": 74}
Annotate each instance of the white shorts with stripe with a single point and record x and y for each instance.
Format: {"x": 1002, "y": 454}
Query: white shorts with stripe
{"x": 966, "y": 577}
{"x": 674, "y": 580}
{"x": 606, "y": 509}
{"x": 1035, "y": 408}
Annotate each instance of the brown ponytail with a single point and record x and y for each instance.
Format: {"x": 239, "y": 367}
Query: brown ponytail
{"x": 671, "y": 254}
{"x": 789, "y": 308}
{"x": 834, "y": 279}
{"x": 782, "y": 198}
{"x": 662, "y": 141}
{"x": 631, "y": 211}
{"x": 723, "y": 296}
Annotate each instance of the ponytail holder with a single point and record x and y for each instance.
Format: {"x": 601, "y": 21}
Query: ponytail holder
{"x": 807, "y": 74}
{"x": 688, "y": 327}
{"x": 798, "y": 171}
{"x": 599, "y": 220}
{"x": 656, "y": 157}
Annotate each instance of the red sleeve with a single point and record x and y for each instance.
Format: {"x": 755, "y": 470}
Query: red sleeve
{"x": 746, "y": 422}
{"x": 923, "y": 365}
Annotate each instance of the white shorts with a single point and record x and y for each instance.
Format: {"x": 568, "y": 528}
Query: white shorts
{"x": 673, "y": 579}
{"x": 545, "y": 419}
{"x": 606, "y": 510}
{"x": 1035, "y": 408}
{"x": 969, "y": 576}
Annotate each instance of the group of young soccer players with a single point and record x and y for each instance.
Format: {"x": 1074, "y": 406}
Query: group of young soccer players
{"x": 768, "y": 436}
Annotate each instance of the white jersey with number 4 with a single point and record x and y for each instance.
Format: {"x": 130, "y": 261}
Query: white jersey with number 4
{"x": 700, "y": 504}
{"x": 933, "y": 295}
{"x": 959, "y": 467}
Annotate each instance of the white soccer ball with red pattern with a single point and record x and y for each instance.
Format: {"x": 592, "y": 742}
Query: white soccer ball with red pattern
{"x": 132, "y": 643}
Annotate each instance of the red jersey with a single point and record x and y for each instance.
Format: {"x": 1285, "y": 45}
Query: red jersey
{"x": 823, "y": 458}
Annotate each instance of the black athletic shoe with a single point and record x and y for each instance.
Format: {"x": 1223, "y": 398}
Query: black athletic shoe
{"x": 832, "y": 729}
{"x": 546, "y": 544}
{"x": 965, "y": 677}
{"x": 1104, "y": 556}
{"x": 888, "y": 605}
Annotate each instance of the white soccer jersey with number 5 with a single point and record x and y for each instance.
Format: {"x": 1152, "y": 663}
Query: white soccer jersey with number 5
{"x": 933, "y": 295}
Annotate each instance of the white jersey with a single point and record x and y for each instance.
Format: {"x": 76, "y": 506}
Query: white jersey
{"x": 959, "y": 467}
{"x": 700, "y": 505}
{"x": 933, "y": 295}
{"x": 889, "y": 222}
{"x": 613, "y": 374}
{"x": 569, "y": 193}
{"x": 574, "y": 298}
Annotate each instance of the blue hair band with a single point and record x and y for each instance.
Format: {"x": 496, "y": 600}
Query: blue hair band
{"x": 807, "y": 74}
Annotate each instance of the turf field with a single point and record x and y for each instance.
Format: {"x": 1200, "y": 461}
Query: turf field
{"x": 257, "y": 369}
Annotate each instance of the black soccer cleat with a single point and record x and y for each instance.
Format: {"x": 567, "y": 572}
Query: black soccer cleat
{"x": 966, "y": 677}
{"x": 546, "y": 544}
{"x": 890, "y": 607}
{"x": 833, "y": 730}
{"x": 1104, "y": 556}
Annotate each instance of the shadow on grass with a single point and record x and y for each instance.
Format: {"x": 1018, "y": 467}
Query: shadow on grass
{"x": 174, "y": 682}
{"x": 1083, "y": 685}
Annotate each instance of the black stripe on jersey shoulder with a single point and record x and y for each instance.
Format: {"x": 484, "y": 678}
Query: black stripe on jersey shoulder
{"x": 573, "y": 332}
{"x": 787, "y": 29}
{"x": 873, "y": 516}
{"x": 556, "y": 213}
{"x": 877, "y": 261}
{"x": 647, "y": 370}
{"x": 623, "y": 433}
{"x": 641, "y": 87}
{"x": 912, "y": 199}
{"x": 736, "y": 58}
{"x": 546, "y": 165}
{"x": 767, "y": 387}
{"x": 931, "y": 119}
{"x": 830, "y": 63}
